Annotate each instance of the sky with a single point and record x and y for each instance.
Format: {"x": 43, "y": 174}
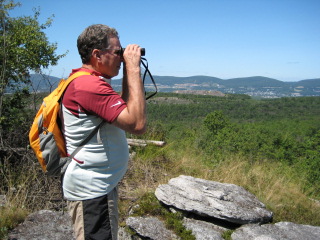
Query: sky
{"x": 278, "y": 39}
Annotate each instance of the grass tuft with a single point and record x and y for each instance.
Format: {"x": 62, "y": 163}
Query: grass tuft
{"x": 10, "y": 217}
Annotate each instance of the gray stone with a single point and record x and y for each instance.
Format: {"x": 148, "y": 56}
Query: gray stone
{"x": 44, "y": 225}
{"x": 224, "y": 201}
{"x": 278, "y": 231}
{"x": 123, "y": 234}
{"x": 203, "y": 230}
{"x": 150, "y": 228}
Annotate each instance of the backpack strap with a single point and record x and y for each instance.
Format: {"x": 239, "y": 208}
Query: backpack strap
{"x": 64, "y": 86}
{"x": 84, "y": 141}
{"x": 72, "y": 77}
{"x": 95, "y": 130}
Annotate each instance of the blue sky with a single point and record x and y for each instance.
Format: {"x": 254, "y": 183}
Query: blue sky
{"x": 221, "y": 38}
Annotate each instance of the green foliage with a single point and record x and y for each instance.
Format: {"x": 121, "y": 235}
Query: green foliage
{"x": 25, "y": 47}
{"x": 215, "y": 121}
{"x": 227, "y": 235}
{"x": 174, "y": 222}
{"x": 279, "y": 141}
{"x": 309, "y": 163}
{"x": 15, "y": 111}
{"x": 149, "y": 205}
{"x": 16, "y": 118}
{"x": 282, "y": 130}
{"x": 238, "y": 108}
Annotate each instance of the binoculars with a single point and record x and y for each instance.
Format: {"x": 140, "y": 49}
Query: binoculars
{"x": 143, "y": 51}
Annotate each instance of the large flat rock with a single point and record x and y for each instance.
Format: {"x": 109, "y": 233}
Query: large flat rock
{"x": 223, "y": 201}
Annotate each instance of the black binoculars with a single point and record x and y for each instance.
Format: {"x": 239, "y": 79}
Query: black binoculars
{"x": 143, "y": 51}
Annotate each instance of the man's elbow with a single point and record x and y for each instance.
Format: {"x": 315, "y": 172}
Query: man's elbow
{"x": 139, "y": 129}
{"x": 131, "y": 123}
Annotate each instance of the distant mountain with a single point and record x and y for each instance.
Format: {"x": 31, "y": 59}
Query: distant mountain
{"x": 253, "y": 82}
{"x": 43, "y": 83}
{"x": 254, "y": 86}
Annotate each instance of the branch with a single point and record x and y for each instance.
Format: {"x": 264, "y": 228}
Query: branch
{"x": 143, "y": 143}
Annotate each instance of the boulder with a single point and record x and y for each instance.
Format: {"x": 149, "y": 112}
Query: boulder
{"x": 205, "y": 198}
{"x": 203, "y": 230}
{"x": 278, "y": 231}
{"x": 44, "y": 225}
{"x": 150, "y": 228}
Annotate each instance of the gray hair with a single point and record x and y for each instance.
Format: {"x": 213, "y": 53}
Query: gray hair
{"x": 94, "y": 37}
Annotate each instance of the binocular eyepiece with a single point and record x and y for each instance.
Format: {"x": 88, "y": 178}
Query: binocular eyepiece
{"x": 143, "y": 51}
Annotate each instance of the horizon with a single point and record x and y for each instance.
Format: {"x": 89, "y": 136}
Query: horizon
{"x": 226, "y": 39}
{"x": 120, "y": 78}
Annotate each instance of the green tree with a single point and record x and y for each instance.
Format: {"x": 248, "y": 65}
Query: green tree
{"x": 24, "y": 49}
{"x": 216, "y": 121}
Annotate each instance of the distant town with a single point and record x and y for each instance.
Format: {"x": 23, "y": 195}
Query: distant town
{"x": 255, "y": 87}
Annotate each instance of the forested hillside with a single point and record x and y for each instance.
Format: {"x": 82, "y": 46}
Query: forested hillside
{"x": 269, "y": 147}
{"x": 285, "y": 130}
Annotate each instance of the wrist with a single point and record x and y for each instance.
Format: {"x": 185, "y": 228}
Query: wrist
{"x": 133, "y": 68}
{"x": 133, "y": 72}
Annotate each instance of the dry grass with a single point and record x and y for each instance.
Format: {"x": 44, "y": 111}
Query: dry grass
{"x": 26, "y": 188}
{"x": 9, "y": 217}
{"x": 274, "y": 184}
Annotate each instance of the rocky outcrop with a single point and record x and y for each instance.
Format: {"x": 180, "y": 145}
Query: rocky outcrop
{"x": 210, "y": 209}
{"x": 44, "y": 225}
{"x": 227, "y": 202}
{"x": 217, "y": 207}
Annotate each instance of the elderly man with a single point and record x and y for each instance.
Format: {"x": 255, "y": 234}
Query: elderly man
{"x": 91, "y": 179}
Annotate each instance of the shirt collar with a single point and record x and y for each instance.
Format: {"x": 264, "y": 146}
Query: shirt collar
{"x": 92, "y": 72}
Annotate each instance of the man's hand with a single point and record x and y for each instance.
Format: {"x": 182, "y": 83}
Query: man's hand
{"x": 132, "y": 56}
{"x": 133, "y": 118}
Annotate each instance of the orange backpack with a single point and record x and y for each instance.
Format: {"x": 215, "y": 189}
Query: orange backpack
{"x": 45, "y": 136}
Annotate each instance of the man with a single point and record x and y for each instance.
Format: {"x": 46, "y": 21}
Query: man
{"x": 90, "y": 181}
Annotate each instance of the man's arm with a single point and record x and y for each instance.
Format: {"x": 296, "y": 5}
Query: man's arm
{"x": 133, "y": 118}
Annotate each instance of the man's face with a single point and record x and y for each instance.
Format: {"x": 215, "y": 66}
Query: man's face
{"x": 110, "y": 59}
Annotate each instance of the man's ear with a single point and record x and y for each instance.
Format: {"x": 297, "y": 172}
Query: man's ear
{"x": 96, "y": 54}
